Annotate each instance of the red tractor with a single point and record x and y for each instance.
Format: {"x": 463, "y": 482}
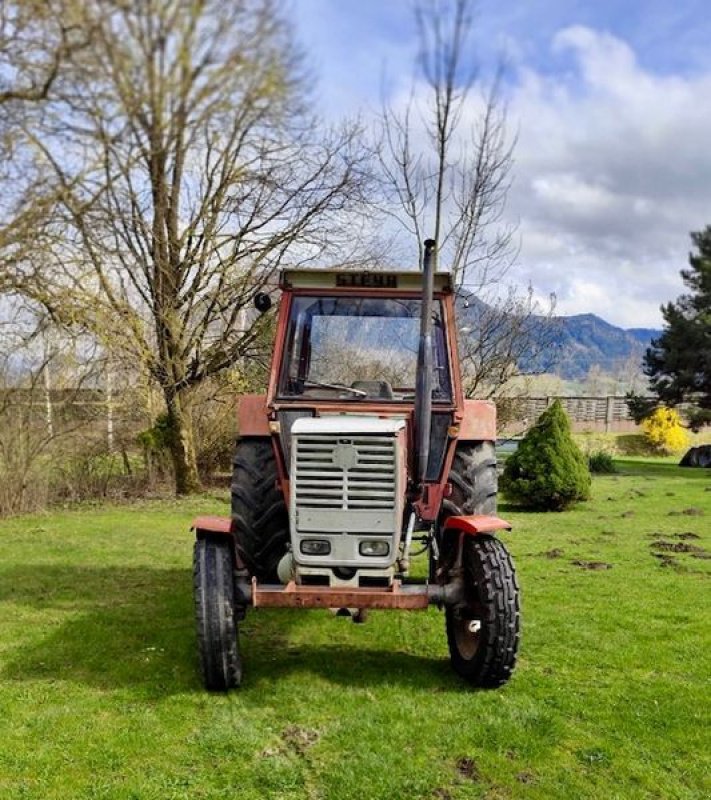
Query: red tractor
{"x": 363, "y": 446}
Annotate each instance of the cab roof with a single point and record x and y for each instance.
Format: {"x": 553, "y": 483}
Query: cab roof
{"x": 387, "y": 280}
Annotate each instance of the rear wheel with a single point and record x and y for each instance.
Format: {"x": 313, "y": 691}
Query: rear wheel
{"x": 258, "y": 508}
{"x": 215, "y": 614}
{"x": 483, "y": 633}
{"x": 473, "y": 480}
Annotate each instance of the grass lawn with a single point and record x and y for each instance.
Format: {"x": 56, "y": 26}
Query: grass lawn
{"x": 100, "y": 695}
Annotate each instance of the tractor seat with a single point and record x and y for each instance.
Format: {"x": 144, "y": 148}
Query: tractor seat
{"x": 375, "y": 388}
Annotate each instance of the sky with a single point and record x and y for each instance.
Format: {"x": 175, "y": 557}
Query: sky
{"x": 610, "y": 105}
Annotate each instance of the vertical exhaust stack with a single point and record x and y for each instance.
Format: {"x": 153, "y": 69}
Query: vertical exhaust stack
{"x": 423, "y": 388}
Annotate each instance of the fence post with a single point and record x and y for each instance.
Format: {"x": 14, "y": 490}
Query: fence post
{"x": 609, "y": 413}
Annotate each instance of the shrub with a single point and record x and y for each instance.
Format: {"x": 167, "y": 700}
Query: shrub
{"x": 215, "y": 427}
{"x": 601, "y": 463}
{"x": 548, "y": 472}
{"x": 86, "y": 475}
{"x": 664, "y": 431}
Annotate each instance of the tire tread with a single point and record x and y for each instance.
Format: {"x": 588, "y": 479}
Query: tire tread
{"x": 215, "y": 617}
{"x": 258, "y": 508}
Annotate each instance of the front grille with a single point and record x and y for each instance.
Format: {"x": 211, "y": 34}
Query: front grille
{"x": 347, "y": 487}
{"x": 345, "y": 472}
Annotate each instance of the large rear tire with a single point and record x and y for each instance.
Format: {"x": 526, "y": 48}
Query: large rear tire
{"x": 483, "y": 634}
{"x": 215, "y": 614}
{"x": 473, "y": 479}
{"x": 258, "y": 509}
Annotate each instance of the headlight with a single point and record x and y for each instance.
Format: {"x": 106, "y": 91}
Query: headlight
{"x": 315, "y": 547}
{"x": 377, "y": 548}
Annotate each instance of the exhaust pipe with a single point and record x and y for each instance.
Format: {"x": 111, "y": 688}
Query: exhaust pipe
{"x": 423, "y": 386}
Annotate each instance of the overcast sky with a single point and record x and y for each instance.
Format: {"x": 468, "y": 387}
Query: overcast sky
{"x": 611, "y": 103}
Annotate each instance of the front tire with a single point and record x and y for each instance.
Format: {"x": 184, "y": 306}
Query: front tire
{"x": 215, "y": 614}
{"x": 483, "y": 633}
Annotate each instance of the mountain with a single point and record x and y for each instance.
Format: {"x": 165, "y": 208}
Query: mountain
{"x": 568, "y": 346}
{"x": 586, "y": 340}
{"x": 644, "y": 335}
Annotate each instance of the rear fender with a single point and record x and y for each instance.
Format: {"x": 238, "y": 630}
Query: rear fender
{"x": 252, "y": 415}
{"x": 478, "y": 422}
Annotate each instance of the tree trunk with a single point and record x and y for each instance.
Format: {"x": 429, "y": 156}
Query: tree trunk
{"x": 182, "y": 444}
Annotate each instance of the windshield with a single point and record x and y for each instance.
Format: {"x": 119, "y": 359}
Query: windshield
{"x": 360, "y": 348}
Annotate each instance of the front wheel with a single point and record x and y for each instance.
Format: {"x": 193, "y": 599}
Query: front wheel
{"x": 483, "y": 632}
{"x": 215, "y": 614}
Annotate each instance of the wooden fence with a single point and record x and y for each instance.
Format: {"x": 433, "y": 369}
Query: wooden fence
{"x": 609, "y": 414}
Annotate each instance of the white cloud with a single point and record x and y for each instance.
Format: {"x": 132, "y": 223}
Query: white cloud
{"x": 613, "y": 159}
{"x": 613, "y": 169}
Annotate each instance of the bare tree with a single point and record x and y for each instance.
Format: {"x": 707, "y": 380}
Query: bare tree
{"x": 496, "y": 340}
{"x": 446, "y": 156}
{"x": 183, "y": 168}
{"x": 447, "y": 160}
{"x": 36, "y": 40}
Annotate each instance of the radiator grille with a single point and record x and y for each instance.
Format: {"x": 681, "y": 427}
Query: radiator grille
{"x": 345, "y": 472}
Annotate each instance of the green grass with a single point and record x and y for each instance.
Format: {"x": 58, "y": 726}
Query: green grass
{"x": 100, "y": 695}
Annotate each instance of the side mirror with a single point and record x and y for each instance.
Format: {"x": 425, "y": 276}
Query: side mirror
{"x": 262, "y": 302}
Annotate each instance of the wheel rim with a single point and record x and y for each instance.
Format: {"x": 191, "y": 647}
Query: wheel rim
{"x": 467, "y": 635}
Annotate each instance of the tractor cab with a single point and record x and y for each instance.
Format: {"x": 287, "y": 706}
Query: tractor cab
{"x": 359, "y": 342}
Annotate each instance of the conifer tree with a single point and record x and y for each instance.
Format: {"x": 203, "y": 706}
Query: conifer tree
{"x": 548, "y": 472}
{"x": 679, "y": 361}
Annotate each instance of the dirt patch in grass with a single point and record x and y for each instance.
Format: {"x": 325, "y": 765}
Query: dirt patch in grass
{"x": 687, "y": 512}
{"x": 556, "y": 552}
{"x": 294, "y": 739}
{"x": 675, "y": 547}
{"x": 626, "y": 514}
{"x": 591, "y": 564}
{"x": 298, "y": 739}
{"x": 467, "y": 768}
{"x": 666, "y": 560}
{"x": 688, "y": 535}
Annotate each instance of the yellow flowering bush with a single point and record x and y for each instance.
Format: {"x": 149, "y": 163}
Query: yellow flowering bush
{"x": 663, "y": 430}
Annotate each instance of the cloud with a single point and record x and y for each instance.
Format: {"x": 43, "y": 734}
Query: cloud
{"x": 613, "y": 163}
{"x": 613, "y": 169}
